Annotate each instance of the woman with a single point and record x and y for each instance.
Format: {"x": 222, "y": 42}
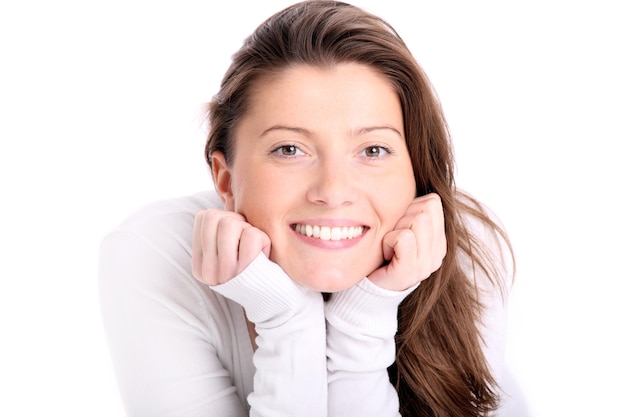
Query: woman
{"x": 338, "y": 270}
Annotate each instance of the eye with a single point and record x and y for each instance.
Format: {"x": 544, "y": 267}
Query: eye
{"x": 375, "y": 151}
{"x": 288, "y": 150}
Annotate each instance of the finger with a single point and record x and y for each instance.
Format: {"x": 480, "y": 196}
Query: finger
{"x": 400, "y": 273}
{"x": 430, "y": 203}
{"x": 403, "y": 246}
{"x": 207, "y": 234}
{"x": 253, "y": 241}
{"x": 196, "y": 246}
{"x": 205, "y": 258}
{"x": 427, "y": 209}
{"x": 228, "y": 237}
{"x": 423, "y": 232}
{"x": 415, "y": 255}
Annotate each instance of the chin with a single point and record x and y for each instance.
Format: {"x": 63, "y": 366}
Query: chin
{"x": 327, "y": 273}
{"x": 328, "y": 280}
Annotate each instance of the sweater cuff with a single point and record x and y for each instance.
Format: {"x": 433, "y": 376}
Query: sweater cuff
{"x": 266, "y": 292}
{"x": 368, "y": 307}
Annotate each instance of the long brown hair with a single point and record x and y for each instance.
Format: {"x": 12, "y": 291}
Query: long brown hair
{"x": 440, "y": 368}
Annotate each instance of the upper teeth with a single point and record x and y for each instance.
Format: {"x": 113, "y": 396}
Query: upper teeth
{"x": 329, "y": 233}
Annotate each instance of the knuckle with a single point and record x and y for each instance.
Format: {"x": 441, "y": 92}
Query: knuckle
{"x": 208, "y": 274}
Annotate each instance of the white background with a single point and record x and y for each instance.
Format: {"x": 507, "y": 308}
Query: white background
{"x": 100, "y": 113}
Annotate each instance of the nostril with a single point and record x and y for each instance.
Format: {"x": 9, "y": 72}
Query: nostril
{"x": 333, "y": 190}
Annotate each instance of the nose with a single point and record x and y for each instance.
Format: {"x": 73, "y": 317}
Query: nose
{"x": 333, "y": 183}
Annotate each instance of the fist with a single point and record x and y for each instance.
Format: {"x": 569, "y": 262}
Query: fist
{"x": 415, "y": 248}
{"x": 224, "y": 244}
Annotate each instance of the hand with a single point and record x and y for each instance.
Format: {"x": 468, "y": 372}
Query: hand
{"x": 224, "y": 244}
{"x": 415, "y": 248}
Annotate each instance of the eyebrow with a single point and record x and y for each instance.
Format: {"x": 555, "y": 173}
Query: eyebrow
{"x": 306, "y": 132}
{"x": 365, "y": 130}
{"x": 294, "y": 129}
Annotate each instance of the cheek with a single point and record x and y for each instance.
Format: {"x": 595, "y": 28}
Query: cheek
{"x": 395, "y": 208}
{"x": 250, "y": 204}
{"x": 247, "y": 189}
{"x": 259, "y": 202}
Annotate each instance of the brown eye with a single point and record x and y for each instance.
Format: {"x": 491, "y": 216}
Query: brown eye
{"x": 288, "y": 150}
{"x": 375, "y": 151}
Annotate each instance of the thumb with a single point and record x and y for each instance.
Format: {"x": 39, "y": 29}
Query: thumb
{"x": 399, "y": 249}
{"x": 267, "y": 245}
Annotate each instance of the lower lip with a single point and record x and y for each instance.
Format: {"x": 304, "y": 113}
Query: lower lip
{"x": 330, "y": 244}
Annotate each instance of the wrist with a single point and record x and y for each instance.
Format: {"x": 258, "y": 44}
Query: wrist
{"x": 368, "y": 307}
{"x": 268, "y": 295}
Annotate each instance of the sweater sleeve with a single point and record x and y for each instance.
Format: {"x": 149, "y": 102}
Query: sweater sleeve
{"x": 290, "y": 360}
{"x": 361, "y": 325}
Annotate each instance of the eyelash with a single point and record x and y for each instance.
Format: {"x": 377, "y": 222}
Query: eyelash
{"x": 280, "y": 150}
{"x": 380, "y": 148}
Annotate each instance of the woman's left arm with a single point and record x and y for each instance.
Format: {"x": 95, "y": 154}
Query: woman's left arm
{"x": 494, "y": 289}
{"x": 360, "y": 346}
{"x": 362, "y": 320}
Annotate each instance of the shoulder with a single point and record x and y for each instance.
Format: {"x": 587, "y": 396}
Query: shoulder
{"x": 486, "y": 257}
{"x": 159, "y": 320}
{"x": 150, "y": 251}
{"x": 174, "y": 215}
{"x": 165, "y": 225}
{"x": 485, "y": 251}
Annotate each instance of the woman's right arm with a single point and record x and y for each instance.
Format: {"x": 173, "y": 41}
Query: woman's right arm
{"x": 290, "y": 360}
{"x": 174, "y": 342}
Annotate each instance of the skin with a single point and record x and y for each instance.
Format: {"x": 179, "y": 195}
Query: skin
{"x": 321, "y": 147}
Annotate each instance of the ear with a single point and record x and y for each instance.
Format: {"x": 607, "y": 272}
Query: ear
{"x": 222, "y": 178}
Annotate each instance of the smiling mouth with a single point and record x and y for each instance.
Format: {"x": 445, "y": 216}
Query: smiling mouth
{"x": 329, "y": 233}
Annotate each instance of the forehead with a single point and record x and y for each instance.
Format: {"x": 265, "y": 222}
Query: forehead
{"x": 346, "y": 89}
{"x": 302, "y": 72}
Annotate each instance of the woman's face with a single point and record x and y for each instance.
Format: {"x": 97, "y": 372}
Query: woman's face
{"x": 321, "y": 165}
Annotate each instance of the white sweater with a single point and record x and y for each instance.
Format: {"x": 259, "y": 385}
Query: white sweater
{"x": 182, "y": 348}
